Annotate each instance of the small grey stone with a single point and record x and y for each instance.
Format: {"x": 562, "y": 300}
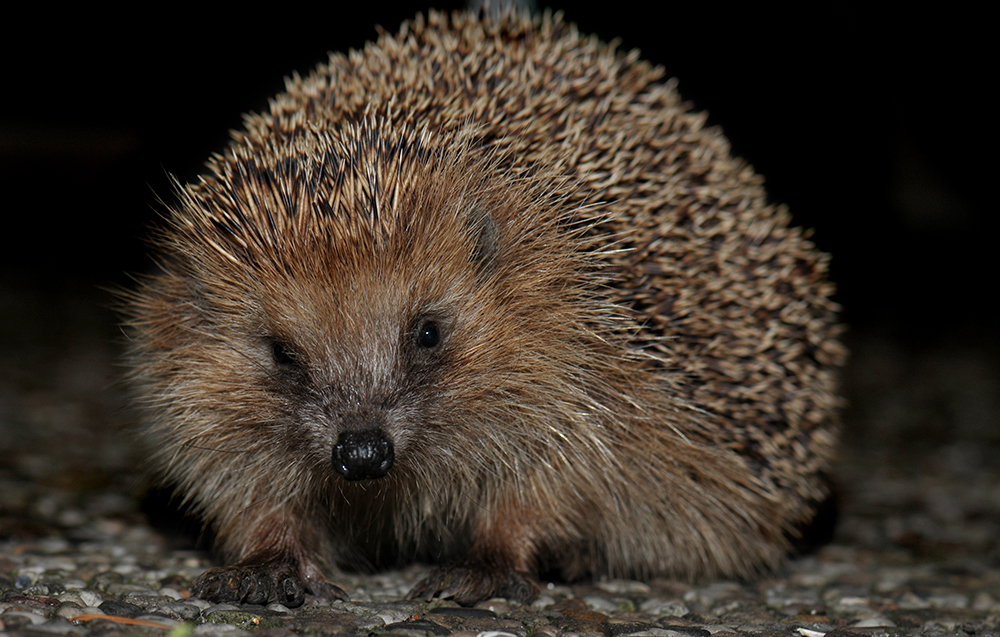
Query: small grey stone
{"x": 687, "y": 631}
{"x": 953, "y": 600}
{"x": 119, "y": 608}
{"x": 623, "y": 587}
{"x": 200, "y": 603}
{"x": 910, "y": 601}
{"x": 60, "y": 626}
{"x": 719, "y": 628}
{"x": 210, "y": 630}
{"x": 542, "y": 602}
{"x": 56, "y": 563}
{"x": 601, "y": 604}
{"x": 873, "y": 622}
{"x": 172, "y": 593}
{"x": 179, "y": 610}
{"x": 657, "y": 606}
{"x": 90, "y": 598}
{"x": 69, "y": 610}
{"x": 390, "y": 613}
{"x": 219, "y": 608}
{"x": 147, "y": 599}
{"x": 983, "y": 601}
{"x": 476, "y": 613}
{"x": 418, "y": 628}
{"x": 940, "y": 627}
{"x": 369, "y": 623}
{"x": 72, "y": 598}
{"x": 393, "y": 615}
{"x": 496, "y": 605}
{"x": 159, "y": 619}
{"x": 122, "y": 590}
{"x": 42, "y": 589}
{"x": 780, "y": 596}
{"x": 18, "y": 618}
{"x": 74, "y": 583}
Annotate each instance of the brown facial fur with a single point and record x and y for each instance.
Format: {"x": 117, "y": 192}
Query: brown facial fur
{"x": 635, "y": 366}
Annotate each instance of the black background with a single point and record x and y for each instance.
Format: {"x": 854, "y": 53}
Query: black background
{"x": 875, "y": 128}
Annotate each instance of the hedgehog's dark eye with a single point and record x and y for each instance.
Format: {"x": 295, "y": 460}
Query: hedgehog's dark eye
{"x": 282, "y": 354}
{"x": 428, "y": 335}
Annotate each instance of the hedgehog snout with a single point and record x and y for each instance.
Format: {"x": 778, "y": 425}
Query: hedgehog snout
{"x": 365, "y": 454}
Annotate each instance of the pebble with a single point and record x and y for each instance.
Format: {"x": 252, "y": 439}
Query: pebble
{"x": 713, "y": 593}
{"x": 170, "y": 592}
{"x": 219, "y": 608}
{"x": 606, "y": 605}
{"x": 16, "y": 618}
{"x": 542, "y": 602}
{"x": 210, "y": 630}
{"x": 200, "y": 603}
{"x": 985, "y": 601}
{"x": 69, "y": 610}
{"x": 180, "y": 610}
{"x": 953, "y": 600}
{"x": 657, "y": 606}
{"x": 393, "y": 615}
{"x": 72, "y": 598}
{"x": 120, "y": 608}
{"x": 417, "y": 628}
{"x": 59, "y": 626}
{"x": 159, "y": 619}
{"x": 873, "y": 622}
{"x": 73, "y": 583}
{"x": 623, "y": 587}
{"x": 911, "y": 601}
{"x": 498, "y": 606}
{"x": 781, "y": 596}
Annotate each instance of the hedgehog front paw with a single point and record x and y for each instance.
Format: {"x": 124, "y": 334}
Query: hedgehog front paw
{"x": 261, "y": 584}
{"x": 466, "y": 585}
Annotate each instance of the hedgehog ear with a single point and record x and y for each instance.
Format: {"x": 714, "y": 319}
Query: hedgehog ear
{"x": 485, "y": 235}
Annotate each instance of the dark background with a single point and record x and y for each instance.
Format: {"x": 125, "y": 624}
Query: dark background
{"x": 875, "y": 129}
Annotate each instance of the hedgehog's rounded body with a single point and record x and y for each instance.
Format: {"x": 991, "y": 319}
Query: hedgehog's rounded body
{"x": 486, "y": 292}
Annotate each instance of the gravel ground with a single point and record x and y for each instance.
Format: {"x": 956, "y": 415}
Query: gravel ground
{"x": 915, "y": 552}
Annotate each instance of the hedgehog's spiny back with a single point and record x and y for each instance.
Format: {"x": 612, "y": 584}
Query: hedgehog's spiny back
{"x": 733, "y": 302}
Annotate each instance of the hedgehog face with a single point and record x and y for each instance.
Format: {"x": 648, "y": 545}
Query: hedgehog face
{"x": 359, "y": 366}
{"x": 361, "y": 308}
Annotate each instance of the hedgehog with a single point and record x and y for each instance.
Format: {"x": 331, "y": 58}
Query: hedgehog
{"x": 486, "y": 294}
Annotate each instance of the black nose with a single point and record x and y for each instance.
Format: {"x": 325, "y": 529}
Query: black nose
{"x": 363, "y": 455}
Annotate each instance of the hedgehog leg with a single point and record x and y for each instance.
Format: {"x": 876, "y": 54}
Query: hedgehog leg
{"x": 274, "y": 569}
{"x": 500, "y": 564}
